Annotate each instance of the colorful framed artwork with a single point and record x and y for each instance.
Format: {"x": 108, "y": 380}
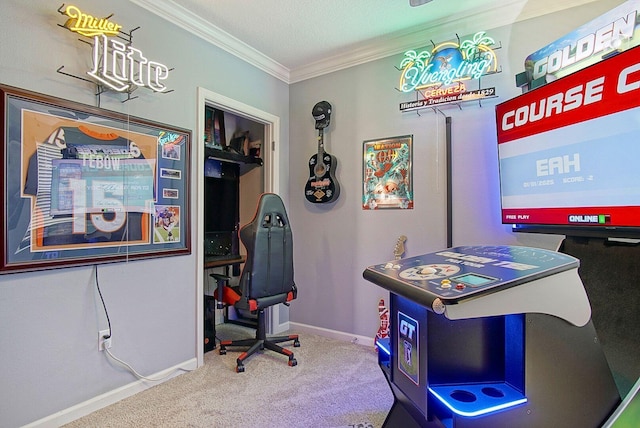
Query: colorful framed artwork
{"x": 84, "y": 185}
{"x": 387, "y": 174}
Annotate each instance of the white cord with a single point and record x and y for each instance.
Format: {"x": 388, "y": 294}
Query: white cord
{"x": 138, "y": 375}
{"x": 128, "y": 366}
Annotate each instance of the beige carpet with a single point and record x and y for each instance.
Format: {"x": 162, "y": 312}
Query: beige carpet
{"x": 335, "y": 384}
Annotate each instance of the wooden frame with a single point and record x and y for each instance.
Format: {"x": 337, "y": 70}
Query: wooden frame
{"x": 82, "y": 185}
{"x": 387, "y": 173}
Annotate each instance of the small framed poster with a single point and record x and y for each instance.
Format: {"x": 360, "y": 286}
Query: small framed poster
{"x": 386, "y": 173}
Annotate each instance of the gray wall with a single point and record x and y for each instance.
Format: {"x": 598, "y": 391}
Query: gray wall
{"x": 340, "y": 240}
{"x": 49, "y": 321}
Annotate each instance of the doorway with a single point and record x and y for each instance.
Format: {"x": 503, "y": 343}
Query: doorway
{"x": 270, "y": 183}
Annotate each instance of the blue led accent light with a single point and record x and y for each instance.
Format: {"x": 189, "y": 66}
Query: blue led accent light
{"x": 384, "y": 346}
{"x": 471, "y": 400}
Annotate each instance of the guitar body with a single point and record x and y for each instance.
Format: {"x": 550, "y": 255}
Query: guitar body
{"x": 322, "y": 185}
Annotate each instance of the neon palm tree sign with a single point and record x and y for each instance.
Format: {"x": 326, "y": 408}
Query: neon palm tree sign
{"x": 443, "y": 70}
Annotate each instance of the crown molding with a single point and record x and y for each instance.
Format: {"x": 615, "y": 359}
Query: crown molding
{"x": 194, "y": 24}
{"x": 506, "y": 13}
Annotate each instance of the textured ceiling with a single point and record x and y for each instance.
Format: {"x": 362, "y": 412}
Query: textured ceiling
{"x": 296, "y": 39}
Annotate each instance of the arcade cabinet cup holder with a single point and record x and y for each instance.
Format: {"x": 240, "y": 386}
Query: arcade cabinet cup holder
{"x": 477, "y": 399}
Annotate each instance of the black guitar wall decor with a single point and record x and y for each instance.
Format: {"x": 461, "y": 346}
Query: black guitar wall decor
{"x": 322, "y": 185}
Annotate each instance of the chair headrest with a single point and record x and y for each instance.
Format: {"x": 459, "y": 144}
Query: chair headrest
{"x": 271, "y": 211}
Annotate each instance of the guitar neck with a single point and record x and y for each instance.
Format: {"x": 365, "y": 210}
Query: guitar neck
{"x": 320, "y": 144}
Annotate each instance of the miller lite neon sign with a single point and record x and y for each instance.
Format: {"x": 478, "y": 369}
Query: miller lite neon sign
{"x": 122, "y": 67}
{"x": 88, "y": 25}
{"x": 116, "y": 64}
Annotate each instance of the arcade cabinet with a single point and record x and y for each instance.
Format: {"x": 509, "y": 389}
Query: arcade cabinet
{"x": 492, "y": 336}
{"x": 627, "y": 415}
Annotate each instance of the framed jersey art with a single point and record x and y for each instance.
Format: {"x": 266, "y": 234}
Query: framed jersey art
{"x": 83, "y": 185}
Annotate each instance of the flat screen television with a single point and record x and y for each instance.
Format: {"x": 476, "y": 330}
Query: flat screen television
{"x": 569, "y": 152}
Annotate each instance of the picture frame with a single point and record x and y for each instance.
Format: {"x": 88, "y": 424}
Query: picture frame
{"x": 387, "y": 174}
{"x": 82, "y": 185}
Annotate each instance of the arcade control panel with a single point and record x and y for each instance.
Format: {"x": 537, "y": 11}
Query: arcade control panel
{"x": 450, "y": 276}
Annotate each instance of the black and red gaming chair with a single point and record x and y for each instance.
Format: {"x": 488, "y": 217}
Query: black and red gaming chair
{"x": 267, "y": 276}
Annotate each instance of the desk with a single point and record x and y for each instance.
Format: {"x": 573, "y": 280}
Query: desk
{"x": 211, "y": 262}
{"x": 223, "y": 261}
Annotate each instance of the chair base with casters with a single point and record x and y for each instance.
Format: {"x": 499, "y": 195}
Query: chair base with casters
{"x": 261, "y": 340}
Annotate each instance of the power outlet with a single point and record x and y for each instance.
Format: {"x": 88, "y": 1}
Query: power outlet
{"x": 102, "y": 342}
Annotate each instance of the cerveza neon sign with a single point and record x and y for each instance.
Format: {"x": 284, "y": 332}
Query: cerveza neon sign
{"x": 448, "y": 63}
{"x": 87, "y": 25}
{"x": 116, "y": 65}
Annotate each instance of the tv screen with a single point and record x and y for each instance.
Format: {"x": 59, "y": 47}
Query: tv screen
{"x": 569, "y": 152}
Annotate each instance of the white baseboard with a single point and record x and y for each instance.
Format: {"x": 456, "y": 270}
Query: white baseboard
{"x": 82, "y": 409}
{"x": 333, "y": 334}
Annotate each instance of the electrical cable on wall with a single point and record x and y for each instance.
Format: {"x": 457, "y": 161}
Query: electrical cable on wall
{"x": 118, "y": 360}
{"x": 104, "y": 306}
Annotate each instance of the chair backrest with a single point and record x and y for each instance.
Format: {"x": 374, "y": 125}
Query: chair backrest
{"x": 268, "y": 270}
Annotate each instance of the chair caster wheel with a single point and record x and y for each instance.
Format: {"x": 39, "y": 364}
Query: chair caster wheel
{"x": 223, "y": 351}
{"x": 293, "y": 362}
{"x": 240, "y": 369}
{"x": 296, "y": 343}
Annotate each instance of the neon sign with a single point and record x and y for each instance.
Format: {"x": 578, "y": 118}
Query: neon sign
{"x": 448, "y": 65}
{"x": 88, "y": 25}
{"x": 120, "y": 66}
{"x": 116, "y": 63}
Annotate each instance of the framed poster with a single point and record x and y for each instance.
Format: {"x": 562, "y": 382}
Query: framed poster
{"x": 84, "y": 185}
{"x": 386, "y": 173}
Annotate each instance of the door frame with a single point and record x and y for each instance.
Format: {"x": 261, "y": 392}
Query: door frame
{"x": 271, "y": 171}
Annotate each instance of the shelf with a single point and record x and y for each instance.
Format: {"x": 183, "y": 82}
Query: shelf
{"x": 247, "y": 163}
